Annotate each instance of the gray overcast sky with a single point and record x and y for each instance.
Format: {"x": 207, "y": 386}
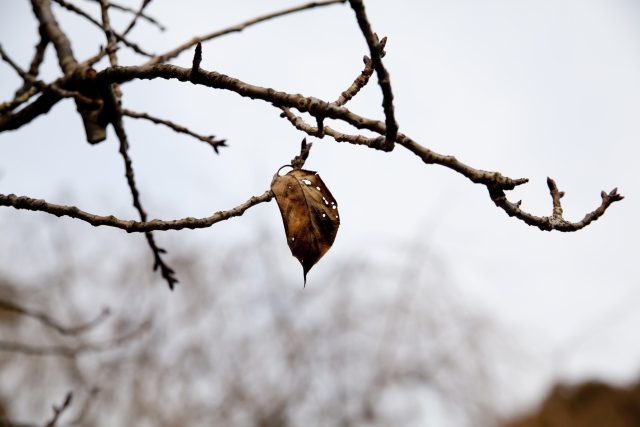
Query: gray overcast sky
{"x": 528, "y": 88}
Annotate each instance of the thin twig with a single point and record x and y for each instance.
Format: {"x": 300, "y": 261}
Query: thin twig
{"x": 57, "y": 411}
{"x": 167, "y": 273}
{"x": 383, "y": 76}
{"x": 16, "y": 67}
{"x": 71, "y": 352}
{"x": 38, "y": 57}
{"x": 208, "y": 139}
{"x": 48, "y": 321}
{"x": 360, "y": 82}
{"x": 338, "y": 136}
{"x": 142, "y": 14}
{"x": 119, "y": 37}
{"x": 130, "y": 226}
{"x": 18, "y": 100}
{"x": 236, "y": 28}
{"x": 145, "y": 3}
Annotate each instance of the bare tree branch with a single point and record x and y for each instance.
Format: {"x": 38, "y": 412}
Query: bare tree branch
{"x": 130, "y": 226}
{"x": 360, "y": 82}
{"x": 338, "y": 136}
{"x": 35, "y": 62}
{"x": 145, "y": 3}
{"x": 13, "y": 65}
{"x": 71, "y": 352}
{"x": 495, "y": 182}
{"x": 119, "y": 37}
{"x": 18, "y": 100}
{"x": 208, "y": 139}
{"x": 128, "y": 9}
{"x": 236, "y": 28}
{"x": 377, "y": 48}
{"x": 48, "y": 321}
{"x": 57, "y": 411}
{"x": 114, "y": 96}
{"x": 95, "y": 130}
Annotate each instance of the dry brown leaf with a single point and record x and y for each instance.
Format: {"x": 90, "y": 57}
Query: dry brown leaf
{"x": 309, "y": 213}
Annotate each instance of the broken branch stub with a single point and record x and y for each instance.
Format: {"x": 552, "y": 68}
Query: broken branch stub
{"x": 309, "y": 213}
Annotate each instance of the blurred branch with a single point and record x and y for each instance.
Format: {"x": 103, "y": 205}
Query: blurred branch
{"x": 236, "y": 28}
{"x": 57, "y": 411}
{"x": 38, "y": 57}
{"x": 130, "y": 226}
{"x": 133, "y": 22}
{"x": 208, "y": 139}
{"x": 376, "y": 47}
{"x": 70, "y": 352}
{"x": 48, "y": 321}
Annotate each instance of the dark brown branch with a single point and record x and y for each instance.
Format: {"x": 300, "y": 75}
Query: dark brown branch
{"x": 554, "y": 222}
{"x": 299, "y": 160}
{"x": 13, "y": 65}
{"x": 360, "y": 82}
{"x": 208, "y": 139}
{"x": 57, "y": 411}
{"x": 130, "y": 226}
{"x": 18, "y": 100}
{"x": 236, "y": 28}
{"x": 114, "y": 96}
{"x": 142, "y": 14}
{"x": 119, "y": 37}
{"x": 313, "y": 106}
{"x": 95, "y": 130}
{"x": 376, "y": 50}
{"x": 64, "y": 351}
{"x": 167, "y": 272}
{"x": 48, "y": 321}
{"x": 555, "y": 196}
{"x": 40, "y": 106}
{"x": 338, "y": 136}
{"x": 145, "y": 3}
{"x": 34, "y": 69}
{"x": 42, "y": 10}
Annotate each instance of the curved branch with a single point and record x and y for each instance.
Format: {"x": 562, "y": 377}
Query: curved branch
{"x": 495, "y": 182}
{"x": 130, "y": 226}
{"x": 72, "y": 8}
{"x": 376, "y": 48}
{"x": 48, "y": 321}
{"x": 236, "y": 28}
{"x": 181, "y": 129}
{"x": 338, "y": 136}
{"x": 360, "y": 82}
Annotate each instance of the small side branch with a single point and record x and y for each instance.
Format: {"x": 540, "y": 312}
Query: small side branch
{"x": 236, "y": 28}
{"x": 555, "y": 221}
{"x": 133, "y": 22}
{"x": 360, "y": 82}
{"x": 338, "y": 136}
{"x": 57, "y": 411}
{"x": 376, "y": 49}
{"x": 119, "y": 37}
{"x": 71, "y": 352}
{"x": 48, "y": 321}
{"x": 141, "y": 14}
{"x": 130, "y": 226}
{"x": 180, "y": 129}
{"x": 34, "y": 69}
